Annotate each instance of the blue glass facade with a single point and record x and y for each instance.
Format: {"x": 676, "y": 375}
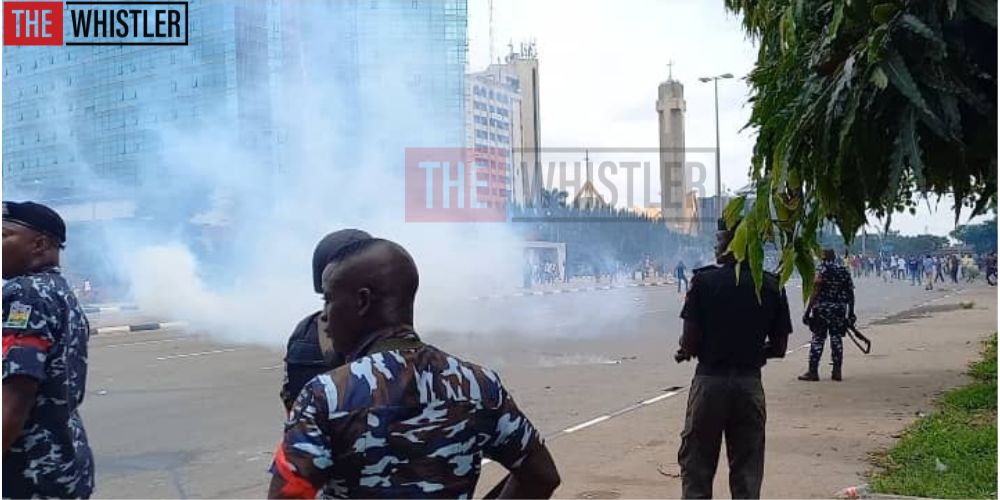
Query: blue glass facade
{"x": 85, "y": 123}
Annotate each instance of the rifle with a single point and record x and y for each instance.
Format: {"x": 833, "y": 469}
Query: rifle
{"x": 859, "y": 338}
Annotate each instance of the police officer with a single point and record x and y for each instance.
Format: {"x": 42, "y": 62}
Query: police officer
{"x": 732, "y": 334}
{"x": 829, "y": 311}
{"x": 304, "y": 358}
{"x": 402, "y": 419}
{"x": 45, "y": 334}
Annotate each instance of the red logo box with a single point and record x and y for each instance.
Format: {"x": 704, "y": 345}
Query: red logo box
{"x": 32, "y": 23}
{"x": 455, "y": 185}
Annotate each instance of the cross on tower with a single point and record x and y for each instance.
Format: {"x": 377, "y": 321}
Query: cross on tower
{"x": 670, "y": 69}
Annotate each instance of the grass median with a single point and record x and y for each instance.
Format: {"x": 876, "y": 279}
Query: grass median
{"x": 953, "y": 452}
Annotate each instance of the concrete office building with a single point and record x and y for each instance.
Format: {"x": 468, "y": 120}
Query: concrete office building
{"x": 492, "y": 129}
{"x": 527, "y": 153}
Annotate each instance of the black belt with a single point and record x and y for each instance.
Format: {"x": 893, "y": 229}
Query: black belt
{"x": 727, "y": 371}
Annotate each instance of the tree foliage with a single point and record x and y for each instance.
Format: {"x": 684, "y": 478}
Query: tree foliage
{"x": 982, "y": 237}
{"x": 861, "y": 107}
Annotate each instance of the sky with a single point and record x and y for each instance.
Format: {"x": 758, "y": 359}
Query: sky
{"x": 600, "y": 64}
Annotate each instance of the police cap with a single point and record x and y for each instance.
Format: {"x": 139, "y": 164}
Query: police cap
{"x": 37, "y": 217}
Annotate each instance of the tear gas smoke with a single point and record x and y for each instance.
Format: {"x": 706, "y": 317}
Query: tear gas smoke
{"x": 227, "y": 229}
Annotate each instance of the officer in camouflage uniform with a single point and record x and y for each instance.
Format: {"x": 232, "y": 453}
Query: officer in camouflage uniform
{"x": 829, "y": 312}
{"x": 45, "y": 334}
{"x": 402, "y": 419}
{"x": 732, "y": 333}
{"x": 304, "y": 358}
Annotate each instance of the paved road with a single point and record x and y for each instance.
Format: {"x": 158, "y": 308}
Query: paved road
{"x": 173, "y": 414}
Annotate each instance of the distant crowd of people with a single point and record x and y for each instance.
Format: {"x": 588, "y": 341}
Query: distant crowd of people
{"x": 925, "y": 270}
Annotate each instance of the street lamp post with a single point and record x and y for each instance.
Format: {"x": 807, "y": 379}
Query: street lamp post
{"x": 718, "y": 154}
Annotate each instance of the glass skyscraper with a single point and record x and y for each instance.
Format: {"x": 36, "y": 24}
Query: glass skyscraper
{"x": 84, "y": 124}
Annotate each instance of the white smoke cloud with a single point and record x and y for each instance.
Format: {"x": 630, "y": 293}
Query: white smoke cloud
{"x": 336, "y": 170}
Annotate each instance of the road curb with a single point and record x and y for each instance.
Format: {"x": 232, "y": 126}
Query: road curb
{"x": 559, "y": 291}
{"x": 141, "y": 327}
{"x": 107, "y": 309}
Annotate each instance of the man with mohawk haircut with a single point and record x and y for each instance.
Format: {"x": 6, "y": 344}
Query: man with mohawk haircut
{"x": 402, "y": 419}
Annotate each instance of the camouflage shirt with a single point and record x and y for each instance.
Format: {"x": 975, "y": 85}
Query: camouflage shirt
{"x": 837, "y": 286}
{"x": 409, "y": 421}
{"x": 45, "y": 336}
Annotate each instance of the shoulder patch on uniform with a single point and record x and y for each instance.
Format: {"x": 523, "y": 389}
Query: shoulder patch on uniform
{"x": 18, "y": 315}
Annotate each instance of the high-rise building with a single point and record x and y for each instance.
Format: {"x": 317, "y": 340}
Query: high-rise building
{"x": 527, "y": 185}
{"x": 674, "y": 200}
{"x": 393, "y": 61}
{"x": 492, "y": 130}
{"x": 83, "y": 124}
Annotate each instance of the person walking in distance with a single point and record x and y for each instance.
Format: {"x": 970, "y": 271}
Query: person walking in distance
{"x": 680, "y": 274}
{"x": 402, "y": 419}
{"x": 45, "y": 335}
{"x": 732, "y": 334}
{"x": 829, "y": 312}
{"x": 929, "y": 266}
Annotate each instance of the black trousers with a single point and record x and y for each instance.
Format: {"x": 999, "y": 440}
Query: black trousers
{"x": 732, "y": 406}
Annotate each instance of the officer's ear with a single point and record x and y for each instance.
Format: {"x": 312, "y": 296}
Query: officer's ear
{"x": 364, "y": 301}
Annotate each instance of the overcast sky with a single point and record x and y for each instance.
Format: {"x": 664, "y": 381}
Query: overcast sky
{"x": 600, "y": 64}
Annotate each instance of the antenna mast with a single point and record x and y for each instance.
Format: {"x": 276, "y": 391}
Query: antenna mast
{"x": 492, "y": 48}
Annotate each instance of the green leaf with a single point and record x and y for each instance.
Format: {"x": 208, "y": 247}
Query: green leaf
{"x": 806, "y": 267}
{"x": 910, "y": 143}
{"x": 914, "y": 25}
{"x": 733, "y": 211}
{"x": 788, "y": 28}
{"x": 983, "y": 10}
{"x": 883, "y": 12}
{"x": 895, "y": 67}
{"x": 756, "y": 257}
{"x": 787, "y": 265}
{"x": 879, "y": 79}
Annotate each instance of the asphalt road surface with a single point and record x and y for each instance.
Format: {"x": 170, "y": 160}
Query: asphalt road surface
{"x": 174, "y": 414}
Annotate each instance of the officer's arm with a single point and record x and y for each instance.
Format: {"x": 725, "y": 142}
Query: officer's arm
{"x": 781, "y": 327}
{"x": 28, "y": 336}
{"x": 18, "y": 400}
{"x": 537, "y": 477}
{"x": 519, "y": 448}
{"x": 305, "y": 457}
{"x": 690, "y": 337}
{"x": 691, "y": 313}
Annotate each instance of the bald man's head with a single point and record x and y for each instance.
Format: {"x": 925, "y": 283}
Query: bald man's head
{"x": 370, "y": 285}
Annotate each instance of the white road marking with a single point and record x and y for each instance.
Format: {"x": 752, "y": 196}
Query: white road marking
{"x": 275, "y": 367}
{"x": 580, "y": 427}
{"x": 609, "y": 416}
{"x": 145, "y": 342}
{"x": 196, "y": 354}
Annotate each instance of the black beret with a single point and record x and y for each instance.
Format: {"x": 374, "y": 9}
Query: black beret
{"x": 35, "y": 216}
{"x": 328, "y": 247}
